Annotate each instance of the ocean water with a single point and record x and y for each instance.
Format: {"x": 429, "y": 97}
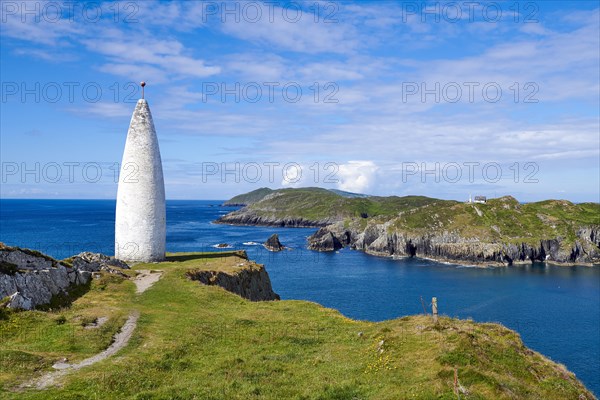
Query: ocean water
{"x": 555, "y": 309}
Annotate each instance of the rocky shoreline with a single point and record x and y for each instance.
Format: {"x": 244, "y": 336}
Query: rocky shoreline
{"x": 377, "y": 240}
{"x": 246, "y": 217}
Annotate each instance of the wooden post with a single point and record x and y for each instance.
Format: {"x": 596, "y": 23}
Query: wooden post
{"x": 456, "y": 383}
{"x": 434, "y": 309}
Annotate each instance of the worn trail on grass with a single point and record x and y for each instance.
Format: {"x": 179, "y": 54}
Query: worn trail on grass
{"x": 146, "y": 279}
{"x": 143, "y": 281}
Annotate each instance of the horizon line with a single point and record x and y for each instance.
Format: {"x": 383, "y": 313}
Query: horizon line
{"x": 105, "y": 199}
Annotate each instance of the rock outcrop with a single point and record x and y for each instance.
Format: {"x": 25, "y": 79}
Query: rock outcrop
{"x": 94, "y": 262}
{"x": 500, "y": 231}
{"x": 273, "y": 243}
{"x": 324, "y": 240}
{"x": 378, "y": 239}
{"x": 31, "y": 279}
{"x": 248, "y": 280}
{"x": 249, "y": 217}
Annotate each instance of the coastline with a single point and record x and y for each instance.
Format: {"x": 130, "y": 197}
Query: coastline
{"x": 217, "y": 222}
{"x": 490, "y": 264}
{"x": 256, "y": 220}
{"x": 281, "y": 223}
{"x": 284, "y": 269}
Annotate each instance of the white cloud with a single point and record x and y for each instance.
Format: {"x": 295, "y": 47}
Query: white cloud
{"x": 279, "y": 26}
{"x": 106, "y": 110}
{"x": 357, "y": 176}
{"x": 161, "y": 59}
{"x": 260, "y": 67}
{"x": 128, "y": 47}
{"x": 369, "y": 53}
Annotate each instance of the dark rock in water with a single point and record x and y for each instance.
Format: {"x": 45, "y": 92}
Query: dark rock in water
{"x": 222, "y": 246}
{"x": 273, "y": 243}
{"x": 324, "y": 240}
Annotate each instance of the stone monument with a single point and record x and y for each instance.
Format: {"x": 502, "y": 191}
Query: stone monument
{"x": 140, "y": 223}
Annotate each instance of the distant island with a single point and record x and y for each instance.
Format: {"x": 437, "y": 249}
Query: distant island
{"x": 499, "y": 231}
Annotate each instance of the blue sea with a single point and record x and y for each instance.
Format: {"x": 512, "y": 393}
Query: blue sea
{"x": 555, "y": 309}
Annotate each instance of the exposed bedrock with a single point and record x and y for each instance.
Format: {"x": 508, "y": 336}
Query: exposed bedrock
{"x": 248, "y": 217}
{"x": 250, "y": 281}
{"x": 376, "y": 239}
{"x": 273, "y": 243}
{"x": 31, "y": 279}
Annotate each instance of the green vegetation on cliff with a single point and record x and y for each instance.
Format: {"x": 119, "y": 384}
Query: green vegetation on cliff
{"x": 248, "y": 198}
{"x": 196, "y": 341}
{"x": 254, "y": 196}
{"x": 316, "y": 204}
{"x": 573, "y": 229}
{"x": 502, "y": 220}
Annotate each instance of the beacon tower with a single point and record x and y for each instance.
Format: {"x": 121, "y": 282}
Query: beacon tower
{"x": 140, "y": 223}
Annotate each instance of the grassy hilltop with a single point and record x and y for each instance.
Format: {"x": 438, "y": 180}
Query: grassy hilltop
{"x": 503, "y": 219}
{"x": 196, "y": 341}
{"x": 257, "y": 195}
{"x": 316, "y": 204}
{"x": 564, "y": 231}
{"x": 248, "y": 198}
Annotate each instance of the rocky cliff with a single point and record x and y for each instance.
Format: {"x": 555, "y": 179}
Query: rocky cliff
{"x": 30, "y": 279}
{"x": 312, "y": 207}
{"x": 500, "y": 231}
{"x": 325, "y": 240}
{"x": 384, "y": 240}
{"x": 273, "y": 243}
{"x": 247, "y": 279}
{"x": 246, "y": 216}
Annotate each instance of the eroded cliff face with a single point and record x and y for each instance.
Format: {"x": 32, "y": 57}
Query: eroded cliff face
{"x": 378, "y": 239}
{"x": 248, "y": 280}
{"x": 31, "y": 279}
{"x": 249, "y": 217}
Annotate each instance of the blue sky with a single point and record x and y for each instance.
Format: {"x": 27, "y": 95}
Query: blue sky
{"x": 408, "y": 97}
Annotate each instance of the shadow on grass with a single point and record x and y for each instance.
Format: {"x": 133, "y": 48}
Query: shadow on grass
{"x": 64, "y": 300}
{"x": 180, "y": 257}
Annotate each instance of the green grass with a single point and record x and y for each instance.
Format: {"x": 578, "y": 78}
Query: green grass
{"x": 196, "y": 341}
{"x": 315, "y": 204}
{"x": 250, "y": 197}
{"x": 32, "y": 341}
{"x": 502, "y": 221}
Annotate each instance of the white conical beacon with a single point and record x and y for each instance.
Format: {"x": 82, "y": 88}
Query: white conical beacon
{"x": 140, "y": 222}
